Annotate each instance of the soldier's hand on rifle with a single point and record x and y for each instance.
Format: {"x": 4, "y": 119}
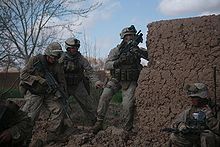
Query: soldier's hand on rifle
{"x": 182, "y": 126}
{"x": 42, "y": 81}
{"x": 5, "y": 136}
{"x": 99, "y": 84}
{"x": 120, "y": 60}
{"x": 208, "y": 111}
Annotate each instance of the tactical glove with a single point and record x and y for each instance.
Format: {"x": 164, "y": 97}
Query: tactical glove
{"x": 42, "y": 81}
{"x": 208, "y": 112}
{"x": 99, "y": 84}
{"x": 182, "y": 126}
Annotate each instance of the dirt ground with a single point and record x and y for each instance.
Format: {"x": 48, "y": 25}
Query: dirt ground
{"x": 80, "y": 134}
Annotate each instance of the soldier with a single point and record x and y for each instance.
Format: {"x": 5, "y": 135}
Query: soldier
{"x": 15, "y": 126}
{"x": 198, "y": 125}
{"x": 76, "y": 66}
{"x": 124, "y": 69}
{"x": 37, "y": 91}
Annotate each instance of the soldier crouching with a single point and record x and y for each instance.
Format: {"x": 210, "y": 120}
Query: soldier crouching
{"x": 37, "y": 91}
{"x": 198, "y": 125}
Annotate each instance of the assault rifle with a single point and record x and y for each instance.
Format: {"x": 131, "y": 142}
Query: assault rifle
{"x": 128, "y": 47}
{"x": 192, "y": 131}
{"x": 54, "y": 86}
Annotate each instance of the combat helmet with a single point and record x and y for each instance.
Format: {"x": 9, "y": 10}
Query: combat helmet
{"x": 72, "y": 42}
{"x": 53, "y": 49}
{"x": 197, "y": 90}
{"x": 128, "y": 30}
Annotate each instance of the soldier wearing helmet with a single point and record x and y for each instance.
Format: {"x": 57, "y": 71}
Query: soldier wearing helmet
{"x": 33, "y": 85}
{"x": 78, "y": 72}
{"x": 198, "y": 124}
{"x": 125, "y": 69}
{"x": 128, "y": 31}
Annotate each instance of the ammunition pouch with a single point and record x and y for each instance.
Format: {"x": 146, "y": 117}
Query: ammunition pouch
{"x": 125, "y": 74}
{"x": 73, "y": 79}
{"x": 35, "y": 88}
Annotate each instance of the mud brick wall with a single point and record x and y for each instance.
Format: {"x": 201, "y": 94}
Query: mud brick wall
{"x": 181, "y": 51}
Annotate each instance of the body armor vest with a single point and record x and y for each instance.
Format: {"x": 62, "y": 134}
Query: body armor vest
{"x": 74, "y": 71}
{"x": 38, "y": 70}
{"x": 129, "y": 70}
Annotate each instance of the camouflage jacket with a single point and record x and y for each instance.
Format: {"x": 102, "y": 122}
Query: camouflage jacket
{"x": 33, "y": 74}
{"x": 211, "y": 123}
{"x": 76, "y": 68}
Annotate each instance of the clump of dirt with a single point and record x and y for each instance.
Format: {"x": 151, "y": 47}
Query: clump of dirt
{"x": 81, "y": 133}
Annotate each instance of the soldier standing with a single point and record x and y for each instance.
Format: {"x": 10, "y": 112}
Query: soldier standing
{"x": 198, "y": 125}
{"x": 37, "y": 92}
{"x": 15, "y": 126}
{"x": 124, "y": 69}
{"x": 76, "y": 66}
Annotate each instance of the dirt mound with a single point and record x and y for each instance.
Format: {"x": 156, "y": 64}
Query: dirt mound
{"x": 111, "y": 136}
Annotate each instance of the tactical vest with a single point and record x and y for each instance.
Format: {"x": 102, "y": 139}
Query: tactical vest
{"x": 37, "y": 70}
{"x": 74, "y": 71}
{"x": 129, "y": 71}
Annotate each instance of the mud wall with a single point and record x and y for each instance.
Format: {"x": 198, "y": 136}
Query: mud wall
{"x": 181, "y": 51}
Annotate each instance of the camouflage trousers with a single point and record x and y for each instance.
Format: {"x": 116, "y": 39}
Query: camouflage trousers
{"x": 34, "y": 105}
{"x": 86, "y": 102}
{"x": 205, "y": 139}
{"x": 128, "y": 91}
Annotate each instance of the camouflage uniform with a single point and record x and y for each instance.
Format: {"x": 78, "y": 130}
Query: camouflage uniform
{"x": 125, "y": 69}
{"x": 17, "y": 123}
{"x": 37, "y": 92}
{"x": 76, "y": 66}
{"x": 209, "y": 126}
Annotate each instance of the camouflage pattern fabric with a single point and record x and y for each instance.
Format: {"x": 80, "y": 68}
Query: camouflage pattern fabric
{"x": 117, "y": 83}
{"x": 33, "y": 76}
{"x": 209, "y": 137}
{"x": 76, "y": 67}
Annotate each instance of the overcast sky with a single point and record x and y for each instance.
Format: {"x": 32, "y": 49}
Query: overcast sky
{"x": 103, "y": 26}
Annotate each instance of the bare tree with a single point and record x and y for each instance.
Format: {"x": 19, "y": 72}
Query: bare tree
{"x": 26, "y": 26}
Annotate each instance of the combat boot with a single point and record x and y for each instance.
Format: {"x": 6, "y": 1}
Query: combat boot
{"x": 97, "y": 127}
